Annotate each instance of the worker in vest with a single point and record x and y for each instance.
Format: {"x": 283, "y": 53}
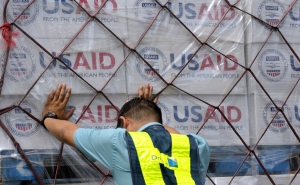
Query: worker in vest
{"x": 140, "y": 151}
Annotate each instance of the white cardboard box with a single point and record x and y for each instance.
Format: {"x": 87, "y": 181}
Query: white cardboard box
{"x": 62, "y": 19}
{"x": 283, "y": 179}
{"x": 275, "y": 67}
{"x": 27, "y": 62}
{"x": 101, "y": 113}
{"x": 31, "y": 135}
{"x": 200, "y": 17}
{"x": 263, "y": 112}
{"x": 271, "y": 11}
{"x": 208, "y": 72}
{"x": 27, "y": 132}
{"x": 53, "y": 23}
{"x": 187, "y": 115}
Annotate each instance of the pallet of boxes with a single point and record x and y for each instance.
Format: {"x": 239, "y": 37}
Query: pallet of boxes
{"x": 273, "y": 88}
{"x": 220, "y": 73}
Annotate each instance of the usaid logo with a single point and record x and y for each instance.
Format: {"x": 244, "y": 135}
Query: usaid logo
{"x": 21, "y": 65}
{"x": 279, "y": 123}
{"x": 202, "y": 10}
{"x": 27, "y": 17}
{"x": 150, "y": 5}
{"x": 69, "y": 7}
{"x": 165, "y": 113}
{"x": 271, "y": 7}
{"x": 272, "y": 65}
{"x": 19, "y": 123}
{"x": 156, "y": 59}
{"x": 271, "y": 12}
{"x": 147, "y": 10}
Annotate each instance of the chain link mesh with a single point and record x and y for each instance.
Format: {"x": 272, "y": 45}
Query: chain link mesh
{"x": 225, "y": 67}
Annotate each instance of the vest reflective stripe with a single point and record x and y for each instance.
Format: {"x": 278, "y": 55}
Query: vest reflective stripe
{"x": 150, "y": 158}
{"x": 181, "y": 151}
{"x": 146, "y": 151}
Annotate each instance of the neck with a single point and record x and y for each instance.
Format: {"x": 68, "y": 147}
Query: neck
{"x": 136, "y": 125}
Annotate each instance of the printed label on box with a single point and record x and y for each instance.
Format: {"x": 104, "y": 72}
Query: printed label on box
{"x": 65, "y": 18}
{"x": 187, "y": 116}
{"x": 215, "y": 72}
{"x": 272, "y": 12}
{"x": 266, "y": 113}
{"x": 200, "y": 17}
{"x": 276, "y": 68}
{"x": 27, "y": 132}
{"x": 24, "y": 66}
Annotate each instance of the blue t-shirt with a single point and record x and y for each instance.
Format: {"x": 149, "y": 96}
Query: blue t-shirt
{"x": 109, "y": 148}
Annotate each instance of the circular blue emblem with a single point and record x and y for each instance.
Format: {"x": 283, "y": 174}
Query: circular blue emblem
{"x": 146, "y": 10}
{"x": 279, "y": 124}
{"x": 27, "y": 17}
{"x": 156, "y": 59}
{"x": 21, "y": 64}
{"x": 271, "y": 12}
{"x": 19, "y": 123}
{"x": 165, "y": 113}
{"x": 272, "y": 65}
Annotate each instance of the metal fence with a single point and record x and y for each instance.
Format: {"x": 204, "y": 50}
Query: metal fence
{"x": 226, "y": 70}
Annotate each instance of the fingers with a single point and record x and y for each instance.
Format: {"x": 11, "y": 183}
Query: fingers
{"x": 70, "y": 113}
{"x": 155, "y": 99}
{"x": 51, "y": 96}
{"x": 67, "y": 96}
{"x": 62, "y": 93}
{"x": 150, "y": 92}
{"x": 147, "y": 91}
{"x": 57, "y": 92}
{"x": 141, "y": 91}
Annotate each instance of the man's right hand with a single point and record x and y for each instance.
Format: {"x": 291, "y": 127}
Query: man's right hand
{"x": 57, "y": 102}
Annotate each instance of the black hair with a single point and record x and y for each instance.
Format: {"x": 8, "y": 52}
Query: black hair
{"x": 139, "y": 108}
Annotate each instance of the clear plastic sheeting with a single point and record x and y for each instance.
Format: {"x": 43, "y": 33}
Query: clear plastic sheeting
{"x": 227, "y": 70}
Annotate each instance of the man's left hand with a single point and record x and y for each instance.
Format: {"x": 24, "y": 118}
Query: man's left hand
{"x": 146, "y": 92}
{"x": 57, "y": 102}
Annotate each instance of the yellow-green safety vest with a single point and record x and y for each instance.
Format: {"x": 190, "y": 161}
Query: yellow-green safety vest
{"x": 151, "y": 159}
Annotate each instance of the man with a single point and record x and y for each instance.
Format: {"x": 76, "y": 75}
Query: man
{"x": 140, "y": 151}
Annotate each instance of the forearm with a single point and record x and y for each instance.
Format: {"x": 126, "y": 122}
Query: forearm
{"x": 62, "y": 130}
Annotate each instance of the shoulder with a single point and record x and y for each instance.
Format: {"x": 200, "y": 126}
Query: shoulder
{"x": 201, "y": 142}
{"x": 197, "y": 137}
{"x": 204, "y": 154}
{"x": 96, "y": 135}
{"x": 100, "y": 144}
{"x": 107, "y": 132}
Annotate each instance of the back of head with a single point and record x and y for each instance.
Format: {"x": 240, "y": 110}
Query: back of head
{"x": 140, "y": 109}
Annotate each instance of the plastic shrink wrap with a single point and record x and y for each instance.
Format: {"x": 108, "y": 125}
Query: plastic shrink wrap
{"x": 225, "y": 70}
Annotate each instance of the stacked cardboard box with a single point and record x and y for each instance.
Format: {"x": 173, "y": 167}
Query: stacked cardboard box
{"x": 274, "y": 66}
{"x": 90, "y": 63}
{"x": 204, "y": 53}
{"x": 209, "y": 76}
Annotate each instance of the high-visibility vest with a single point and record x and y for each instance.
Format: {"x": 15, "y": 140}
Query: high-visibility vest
{"x": 159, "y": 158}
